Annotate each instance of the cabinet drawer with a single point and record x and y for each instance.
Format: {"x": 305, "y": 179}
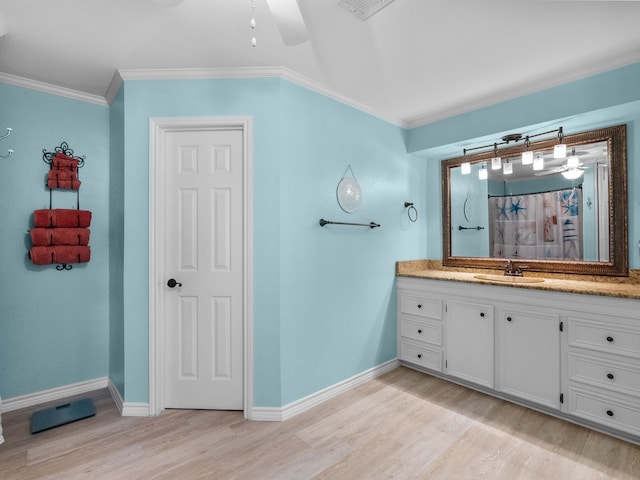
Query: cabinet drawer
{"x": 606, "y": 409}
{"x": 602, "y": 336}
{"x": 415, "y": 304}
{"x": 617, "y": 376}
{"x": 421, "y": 355}
{"x": 422, "y": 330}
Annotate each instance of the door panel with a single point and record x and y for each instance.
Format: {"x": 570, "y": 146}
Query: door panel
{"x": 204, "y": 253}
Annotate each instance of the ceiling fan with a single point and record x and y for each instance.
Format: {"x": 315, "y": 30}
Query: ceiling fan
{"x": 571, "y": 169}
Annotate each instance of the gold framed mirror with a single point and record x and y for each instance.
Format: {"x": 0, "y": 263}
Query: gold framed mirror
{"x": 568, "y": 216}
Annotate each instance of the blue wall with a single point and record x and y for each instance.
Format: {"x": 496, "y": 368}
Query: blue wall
{"x": 607, "y": 99}
{"x": 323, "y": 302}
{"x": 53, "y": 325}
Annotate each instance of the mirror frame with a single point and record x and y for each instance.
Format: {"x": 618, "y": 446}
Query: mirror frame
{"x": 618, "y": 264}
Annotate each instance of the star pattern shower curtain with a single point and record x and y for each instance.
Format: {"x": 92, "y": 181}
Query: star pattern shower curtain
{"x": 544, "y": 225}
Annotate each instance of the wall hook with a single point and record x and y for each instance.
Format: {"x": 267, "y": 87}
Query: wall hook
{"x": 10, "y": 151}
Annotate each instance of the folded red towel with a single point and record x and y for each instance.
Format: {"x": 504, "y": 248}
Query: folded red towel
{"x": 43, "y": 218}
{"x": 68, "y": 254}
{"x": 41, "y": 255}
{"x": 41, "y": 236}
{"x": 63, "y": 156}
{"x": 59, "y": 236}
{"x": 59, "y": 254}
{"x": 65, "y": 164}
{"x": 62, "y": 179}
{"x": 61, "y": 217}
{"x": 71, "y": 236}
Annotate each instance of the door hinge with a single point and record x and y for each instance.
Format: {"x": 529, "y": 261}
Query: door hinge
{"x": 445, "y": 364}
{"x": 562, "y": 326}
{"x": 562, "y": 398}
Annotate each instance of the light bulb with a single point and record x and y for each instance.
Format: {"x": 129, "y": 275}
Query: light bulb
{"x": 253, "y": 41}
{"x": 482, "y": 173}
{"x": 560, "y": 151}
{"x": 538, "y": 163}
{"x": 465, "y": 168}
{"x": 496, "y": 163}
{"x": 527, "y": 157}
{"x": 573, "y": 161}
{"x": 252, "y": 23}
{"x": 507, "y": 169}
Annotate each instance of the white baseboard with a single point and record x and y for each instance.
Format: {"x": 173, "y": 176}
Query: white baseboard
{"x": 278, "y": 414}
{"x": 127, "y": 409}
{"x": 36, "y": 398}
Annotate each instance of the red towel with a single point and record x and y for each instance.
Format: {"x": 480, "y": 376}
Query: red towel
{"x": 41, "y": 255}
{"x": 65, "y": 164}
{"x": 63, "y": 156}
{"x": 43, "y": 218}
{"x": 41, "y": 236}
{"x": 68, "y": 254}
{"x": 59, "y": 236}
{"x": 59, "y": 254}
{"x": 62, "y": 179}
{"x": 62, "y": 218}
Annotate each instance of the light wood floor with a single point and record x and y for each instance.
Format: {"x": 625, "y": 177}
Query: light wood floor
{"x": 403, "y": 425}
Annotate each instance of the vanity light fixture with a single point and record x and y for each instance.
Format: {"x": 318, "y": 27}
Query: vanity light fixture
{"x": 483, "y": 173}
{"x": 252, "y": 22}
{"x": 507, "y": 168}
{"x": 560, "y": 150}
{"x": 527, "y": 155}
{"x": 496, "y": 161}
{"x": 573, "y": 161}
{"x": 465, "y": 168}
{"x": 538, "y": 163}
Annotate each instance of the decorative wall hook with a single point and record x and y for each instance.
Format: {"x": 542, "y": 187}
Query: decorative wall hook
{"x": 10, "y": 151}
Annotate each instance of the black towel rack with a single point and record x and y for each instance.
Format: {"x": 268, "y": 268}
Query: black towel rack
{"x": 460, "y": 227}
{"x": 324, "y": 222}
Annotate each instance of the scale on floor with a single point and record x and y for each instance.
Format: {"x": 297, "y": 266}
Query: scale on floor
{"x": 62, "y": 414}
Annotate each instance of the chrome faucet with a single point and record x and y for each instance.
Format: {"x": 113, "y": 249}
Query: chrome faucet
{"x": 512, "y": 270}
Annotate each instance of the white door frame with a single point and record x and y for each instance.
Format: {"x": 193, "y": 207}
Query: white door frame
{"x": 158, "y": 128}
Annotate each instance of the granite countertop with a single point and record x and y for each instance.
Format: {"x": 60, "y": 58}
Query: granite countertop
{"x": 622, "y": 287}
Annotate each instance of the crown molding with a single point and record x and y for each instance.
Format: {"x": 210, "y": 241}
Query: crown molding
{"x": 240, "y": 72}
{"x": 43, "y": 87}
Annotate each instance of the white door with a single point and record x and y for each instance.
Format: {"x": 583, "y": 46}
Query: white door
{"x": 203, "y": 229}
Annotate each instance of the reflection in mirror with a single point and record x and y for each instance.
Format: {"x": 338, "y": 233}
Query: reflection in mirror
{"x": 554, "y": 214}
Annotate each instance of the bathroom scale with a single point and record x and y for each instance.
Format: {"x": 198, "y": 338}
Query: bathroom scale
{"x": 62, "y": 414}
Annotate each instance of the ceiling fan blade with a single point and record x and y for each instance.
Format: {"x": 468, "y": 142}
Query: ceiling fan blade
{"x": 288, "y": 18}
{"x": 550, "y": 172}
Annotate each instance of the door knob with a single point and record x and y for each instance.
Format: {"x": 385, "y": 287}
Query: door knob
{"x": 172, "y": 283}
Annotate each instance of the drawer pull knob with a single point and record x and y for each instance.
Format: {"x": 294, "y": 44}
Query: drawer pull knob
{"x": 419, "y": 355}
{"x": 482, "y": 314}
{"x": 610, "y": 376}
{"x": 610, "y": 413}
{"x": 508, "y": 319}
{"x": 419, "y": 330}
{"x": 610, "y": 339}
{"x": 419, "y": 305}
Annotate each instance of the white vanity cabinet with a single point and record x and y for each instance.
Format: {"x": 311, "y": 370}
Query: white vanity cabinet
{"x": 469, "y": 348}
{"x": 603, "y": 363}
{"x": 529, "y": 355}
{"x": 570, "y": 355}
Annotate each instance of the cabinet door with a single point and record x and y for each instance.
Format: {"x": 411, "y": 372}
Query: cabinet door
{"x": 469, "y": 348}
{"x": 529, "y": 356}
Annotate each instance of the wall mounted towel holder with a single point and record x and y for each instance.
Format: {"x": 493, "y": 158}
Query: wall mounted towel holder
{"x": 10, "y": 151}
{"x": 324, "y": 222}
{"x": 460, "y": 227}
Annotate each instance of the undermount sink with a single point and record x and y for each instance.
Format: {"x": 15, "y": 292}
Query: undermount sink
{"x": 508, "y": 279}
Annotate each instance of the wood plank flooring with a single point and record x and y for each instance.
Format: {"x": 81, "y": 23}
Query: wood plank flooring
{"x": 402, "y": 425}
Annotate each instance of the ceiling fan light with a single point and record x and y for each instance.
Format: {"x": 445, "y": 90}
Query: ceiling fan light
{"x": 527, "y": 157}
{"x": 572, "y": 173}
{"x": 560, "y": 151}
{"x": 496, "y": 163}
{"x": 538, "y": 163}
{"x": 465, "y": 168}
{"x": 573, "y": 161}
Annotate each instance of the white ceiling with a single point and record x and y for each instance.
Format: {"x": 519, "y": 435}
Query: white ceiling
{"x": 414, "y": 61}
